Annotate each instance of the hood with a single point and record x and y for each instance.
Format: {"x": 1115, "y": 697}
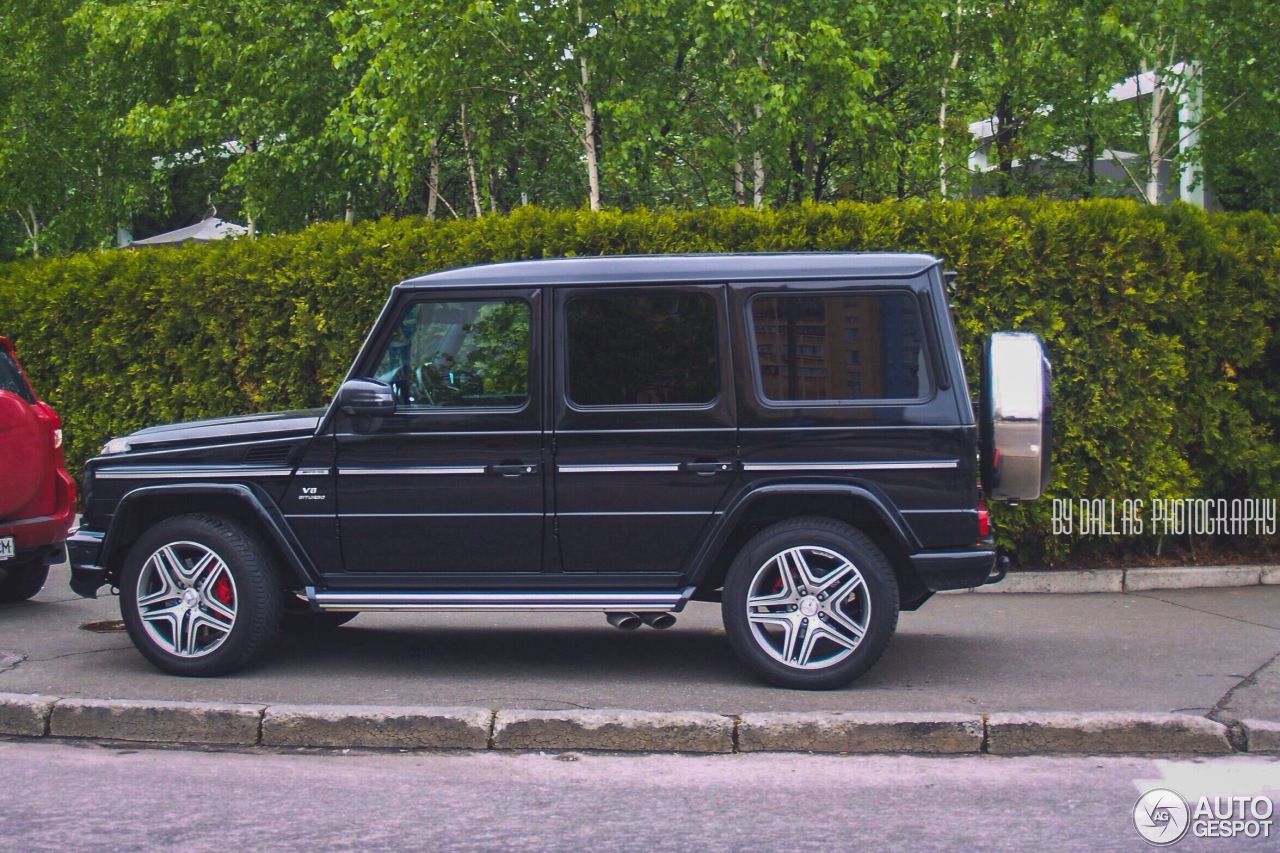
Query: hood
{"x": 241, "y": 428}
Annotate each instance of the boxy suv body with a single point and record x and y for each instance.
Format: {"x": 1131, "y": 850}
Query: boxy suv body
{"x": 790, "y": 435}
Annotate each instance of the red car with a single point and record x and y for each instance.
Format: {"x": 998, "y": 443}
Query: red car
{"x": 37, "y": 496}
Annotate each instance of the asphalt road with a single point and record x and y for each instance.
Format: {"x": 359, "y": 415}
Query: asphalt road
{"x": 84, "y": 797}
{"x": 1185, "y": 650}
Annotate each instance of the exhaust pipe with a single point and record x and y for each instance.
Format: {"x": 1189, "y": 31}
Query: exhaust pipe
{"x": 660, "y": 621}
{"x": 625, "y": 621}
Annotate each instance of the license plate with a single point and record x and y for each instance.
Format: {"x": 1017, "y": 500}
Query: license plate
{"x": 6, "y": 547}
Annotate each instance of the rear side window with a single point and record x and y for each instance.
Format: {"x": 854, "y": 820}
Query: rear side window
{"x": 642, "y": 350}
{"x": 11, "y": 378}
{"x": 839, "y": 347}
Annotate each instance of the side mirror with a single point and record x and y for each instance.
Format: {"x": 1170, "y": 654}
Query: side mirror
{"x": 366, "y": 397}
{"x": 1016, "y": 417}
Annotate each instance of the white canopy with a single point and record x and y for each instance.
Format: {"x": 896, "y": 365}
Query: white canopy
{"x": 201, "y": 232}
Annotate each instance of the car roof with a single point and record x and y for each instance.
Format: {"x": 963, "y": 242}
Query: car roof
{"x": 633, "y": 269}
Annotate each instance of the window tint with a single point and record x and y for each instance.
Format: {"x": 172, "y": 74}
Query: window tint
{"x": 650, "y": 350}
{"x": 839, "y": 347}
{"x": 11, "y": 378}
{"x": 460, "y": 354}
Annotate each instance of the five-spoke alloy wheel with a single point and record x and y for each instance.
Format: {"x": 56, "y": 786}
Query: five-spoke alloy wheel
{"x": 186, "y": 599}
{"x": 200, "y": 596}
{"x": 810, "y": 603}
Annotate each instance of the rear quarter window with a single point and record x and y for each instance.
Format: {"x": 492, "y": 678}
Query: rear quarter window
{"x": 839, "y": 347}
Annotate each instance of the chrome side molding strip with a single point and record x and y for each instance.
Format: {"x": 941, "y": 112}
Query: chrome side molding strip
{"x": 849, "y": 466}
{"x": 608, "y": 602}
{"x": 661, "y": 468}
{"x": 158, "y": 473}
{"x": 411, "y": 472}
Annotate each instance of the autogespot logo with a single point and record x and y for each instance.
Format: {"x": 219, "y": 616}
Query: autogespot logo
{"x": 1161, "y": 817}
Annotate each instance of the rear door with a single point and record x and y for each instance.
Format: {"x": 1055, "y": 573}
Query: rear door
{"x": 645, "y": 446}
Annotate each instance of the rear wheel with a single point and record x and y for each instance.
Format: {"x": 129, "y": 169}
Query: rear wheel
{"x": 22, "y": 580}
{"x": 200, "y": 596}
{"x": 810, "y": 603}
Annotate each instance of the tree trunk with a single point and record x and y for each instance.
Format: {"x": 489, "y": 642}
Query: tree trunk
{"x": 433, "y": 191}
{"x": 589, "y": 126}
{"x": 739, "y": 169}
{"x": 350, "y": 217}
{"x": 757, "y": 163}
{"x": 471, "y": 165}
{"x": 1155, "y": 140}
{"x": 942, "y": 124}
{"x": 253, "y": 225}
{"x": 32, "y": 228}
{"x": 810, "y": 163}
{"x": 1006, "y": 134}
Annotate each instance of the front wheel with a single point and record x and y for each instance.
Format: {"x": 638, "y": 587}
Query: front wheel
{"x": 200, "y": 596}
{"x": 810, "y": 603}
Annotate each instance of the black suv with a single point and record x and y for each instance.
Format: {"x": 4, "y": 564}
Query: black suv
{"x": 789, "y": 435}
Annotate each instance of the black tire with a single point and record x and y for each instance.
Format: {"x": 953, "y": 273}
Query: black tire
{"x": 255, "y": 597}
{"x": 836, "y": 555}
{"x": 23, "y": 580}
{"x": 298, "y": 617}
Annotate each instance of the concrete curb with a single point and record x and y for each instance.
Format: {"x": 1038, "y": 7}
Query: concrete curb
{"x": 1131, "y": 580}
{"x": 379, "y": 727}
{"x": 1262, "y": 735}
{"x": 156, "y": 721}
{"x": 1055, "y": 733}
{"x": 614, "y": 731}
{"x": 168, "y": 723}
{"x": 860, "y": 733}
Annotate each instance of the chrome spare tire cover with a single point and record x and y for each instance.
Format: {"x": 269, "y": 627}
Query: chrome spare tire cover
{"x": 1016, "y": 417}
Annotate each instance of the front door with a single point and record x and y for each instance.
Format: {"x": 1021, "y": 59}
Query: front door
{"x": 451, "y": 485}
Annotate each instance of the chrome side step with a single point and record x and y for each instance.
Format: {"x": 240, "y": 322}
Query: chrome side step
{"x": 608, "y": 602}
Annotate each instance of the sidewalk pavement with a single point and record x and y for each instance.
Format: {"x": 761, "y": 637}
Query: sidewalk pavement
{"x": 1140, "y": 671}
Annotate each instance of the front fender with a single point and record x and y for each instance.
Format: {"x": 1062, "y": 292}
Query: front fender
{"x": 128, "y": 520}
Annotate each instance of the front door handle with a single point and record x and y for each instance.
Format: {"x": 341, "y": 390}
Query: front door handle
{"x": 706, "y": 469}
{"x": 515, "y": 469}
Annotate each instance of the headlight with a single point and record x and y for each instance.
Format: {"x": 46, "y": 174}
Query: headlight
{"x": 115, "y": 445}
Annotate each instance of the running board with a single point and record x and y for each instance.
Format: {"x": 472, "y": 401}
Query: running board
{"x": 594, "y": 602}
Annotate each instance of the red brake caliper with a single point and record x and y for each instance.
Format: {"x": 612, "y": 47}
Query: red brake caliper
{"x": 223, "y": 592}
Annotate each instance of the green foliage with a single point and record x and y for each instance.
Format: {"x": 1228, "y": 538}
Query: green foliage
{"x": 1161, "y": 323}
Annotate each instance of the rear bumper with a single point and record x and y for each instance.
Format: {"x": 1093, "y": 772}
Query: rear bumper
{"x": 942, "y": 570}
{"x": 84, "y": 548}
{"x": 35, "y": 534}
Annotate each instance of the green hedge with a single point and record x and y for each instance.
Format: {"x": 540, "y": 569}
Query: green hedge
{"x": 1161, "y": 323}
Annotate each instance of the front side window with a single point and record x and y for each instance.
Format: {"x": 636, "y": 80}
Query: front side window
{"x": 807, "y": 347}
{"x": 642, "y": 350}
{"x": 460, "y": 354}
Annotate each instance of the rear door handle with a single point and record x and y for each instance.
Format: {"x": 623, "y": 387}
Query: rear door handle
{"x": 516, "y": 469}
{"x": 706, "y": 469}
